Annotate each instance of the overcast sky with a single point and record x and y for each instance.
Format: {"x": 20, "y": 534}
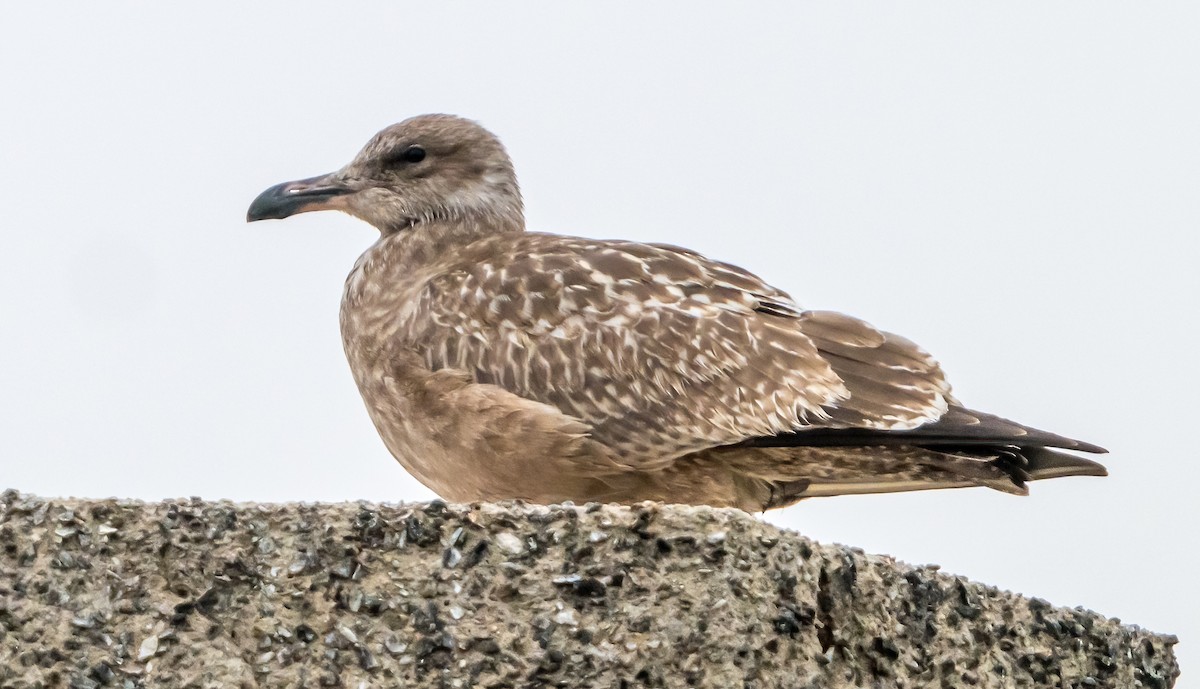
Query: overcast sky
{"x": 1014, "y": 186}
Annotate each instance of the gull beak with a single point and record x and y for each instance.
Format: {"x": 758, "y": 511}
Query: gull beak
{"x": 321, "y": 193}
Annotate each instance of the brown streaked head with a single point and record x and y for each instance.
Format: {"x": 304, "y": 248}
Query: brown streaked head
{"x": 425, "y": 169}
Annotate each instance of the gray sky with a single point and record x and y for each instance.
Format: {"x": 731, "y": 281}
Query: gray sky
{"x": 1014, "y": 186}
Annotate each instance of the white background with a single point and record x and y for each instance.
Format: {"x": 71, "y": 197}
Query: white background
{"x": 1013, "y": 186}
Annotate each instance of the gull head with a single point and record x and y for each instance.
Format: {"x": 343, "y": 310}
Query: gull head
{"x": 425, "y": 170}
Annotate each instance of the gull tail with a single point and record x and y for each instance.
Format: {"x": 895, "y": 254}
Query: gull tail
{"x": 829, "y": 471}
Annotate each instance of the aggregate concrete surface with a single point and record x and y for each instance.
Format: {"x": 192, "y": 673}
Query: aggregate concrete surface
{"x": 118, "y": 593}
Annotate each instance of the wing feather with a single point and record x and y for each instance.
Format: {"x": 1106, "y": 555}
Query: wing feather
{"x": 663, "y": 353}
{"x": 893, "y": 384}
{"x": 659, "y": 350}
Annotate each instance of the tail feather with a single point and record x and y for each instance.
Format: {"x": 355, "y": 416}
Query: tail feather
{"x": 1006, "y": 469}
{"x": 1046, "y": 463}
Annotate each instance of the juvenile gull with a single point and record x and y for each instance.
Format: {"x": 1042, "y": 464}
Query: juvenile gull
{"x": 498, "y": 363}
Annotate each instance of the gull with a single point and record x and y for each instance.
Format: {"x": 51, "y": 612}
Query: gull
{"x": 498, "y": 363}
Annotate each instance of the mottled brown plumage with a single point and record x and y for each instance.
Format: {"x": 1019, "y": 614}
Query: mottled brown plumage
{"x": 499, "y": 363}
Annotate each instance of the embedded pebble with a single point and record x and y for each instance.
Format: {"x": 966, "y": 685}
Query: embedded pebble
{"x": 510, "y": 543}
{"x": 148, "y": 648}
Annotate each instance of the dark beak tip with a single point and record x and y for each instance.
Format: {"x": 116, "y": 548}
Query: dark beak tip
{"x": 287, "y": 199}
{"x": 268, "y": 205}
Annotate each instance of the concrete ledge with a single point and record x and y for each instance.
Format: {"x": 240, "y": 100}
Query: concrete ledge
{"x": 203, "y": 594}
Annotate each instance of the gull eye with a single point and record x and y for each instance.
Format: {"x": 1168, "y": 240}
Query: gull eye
{"x": 412, "y": 154}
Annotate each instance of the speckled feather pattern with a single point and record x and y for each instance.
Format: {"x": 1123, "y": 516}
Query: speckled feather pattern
{"x": 660, "y": 351}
